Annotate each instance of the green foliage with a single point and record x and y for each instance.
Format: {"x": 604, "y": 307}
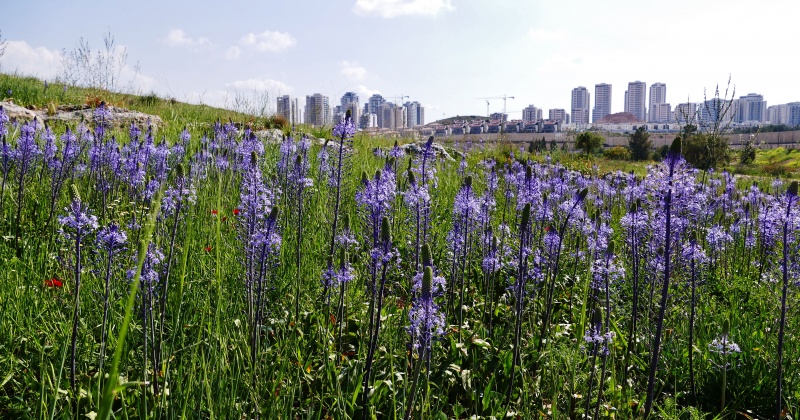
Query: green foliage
{"x": 706, "y": 151}
{"x": 748, "y": 153}
{"x": 640, "y": 144}
{"x": 617, "y": 153}
{"x": 589, "y": 142}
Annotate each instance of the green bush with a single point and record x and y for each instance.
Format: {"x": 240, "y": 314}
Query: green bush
{"x": 617, "y": 153}
{"x": 589, "y": 142}
{"x": 706, "y": 151}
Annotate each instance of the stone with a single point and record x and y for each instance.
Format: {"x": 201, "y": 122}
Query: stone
{"x": 120, "y": 117}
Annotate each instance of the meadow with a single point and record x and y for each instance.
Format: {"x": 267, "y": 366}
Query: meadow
{"x": 210, "y": 273}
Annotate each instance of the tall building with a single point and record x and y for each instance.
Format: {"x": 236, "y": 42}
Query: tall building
{"x": 602, "y": 101}
{"x": 367, "y": 120}
{"x": 777, "y": 114}
{"x": 531, "y": 113}
{"x": 350, "y": 101}
{"x": 400, "y": 117}
{"x": 716, "y": 113}
{"x": 656, "y": 111}
{"x": 752, "y": 109}
{"x": 289, "y": 108}
{"x": 375, "y": 102}
{"x": 416, "y": 114}
{"x": 558, "y": 114}
{"x": 685, "y": 113}
{"x": 318, "y": 110}
{"x": 580, "y": 105}
{"x": 793, "y": 114}
{"x": 386, "y": 115}
{"x": 635, "y": 99}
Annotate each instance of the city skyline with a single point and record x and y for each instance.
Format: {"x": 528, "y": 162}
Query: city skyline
{"x": 415, "y": 48}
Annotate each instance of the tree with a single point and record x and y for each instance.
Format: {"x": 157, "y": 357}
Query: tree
{"x": 640, "y": 144}
{"x": 589, "y": 142}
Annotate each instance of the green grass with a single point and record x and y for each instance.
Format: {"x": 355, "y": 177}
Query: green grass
{"x": 301, "y": 372}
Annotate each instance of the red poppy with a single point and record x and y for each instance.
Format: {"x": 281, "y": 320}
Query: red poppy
{"x": 54, "y": 282}
{"x": 235, "y": 212}
{"x": 213, "y": 212}
{"x": 224, "y": 218}
{"x": 207, "y": 249}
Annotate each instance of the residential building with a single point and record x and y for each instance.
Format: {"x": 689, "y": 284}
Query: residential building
{"x": 777, "y": 114}
{"x": 716, "y": 114}
{"x": 793, "y": 114}
{"x": 318, "y": 110}
{"x": 416, "y": 114}
{"x": 580, "y": 105}
{"x": 660, "y": 113}
{"x": 386, "y": 115}
{"x": 686, "y": 113}
{"x": 367, "y": 120}
{"x": 635, "y": 100}
{"x": 498, "y": 116}
{"x": 375, "y": 102}
{"x": 531, "y": 113}
{"x": 602, "y": 101}
{"x": 558, "y": 114}
{"x": 752, "y": 109}
{"x": 400, "y": 117}
{"x": 289, "y": 108}
{"x": 350, "y": 101}
{"x": 656, "y": 111}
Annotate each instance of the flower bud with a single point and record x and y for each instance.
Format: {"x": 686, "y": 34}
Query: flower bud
{"x": 426, "y": 255}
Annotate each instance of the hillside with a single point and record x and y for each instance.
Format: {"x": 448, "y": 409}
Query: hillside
{"x": 34, "y": 93}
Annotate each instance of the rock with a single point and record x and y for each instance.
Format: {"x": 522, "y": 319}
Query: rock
{"x": 439, "y": 150}
{"x": 272, "y": 136}
{"x": 14, "y": 111}
{"x": 120, "y": 117}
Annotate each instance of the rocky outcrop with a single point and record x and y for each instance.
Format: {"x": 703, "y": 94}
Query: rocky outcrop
{"x": 120, "y": 117}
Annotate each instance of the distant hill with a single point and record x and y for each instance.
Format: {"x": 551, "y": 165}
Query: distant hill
{"x": 619, "y": 118}
{"x": 450, "y": 120}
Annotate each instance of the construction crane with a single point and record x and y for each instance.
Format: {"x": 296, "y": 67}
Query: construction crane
{"x": 504, "y": 98}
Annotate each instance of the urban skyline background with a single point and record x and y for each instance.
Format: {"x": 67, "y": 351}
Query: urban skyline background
{"x": 443, "y": 53}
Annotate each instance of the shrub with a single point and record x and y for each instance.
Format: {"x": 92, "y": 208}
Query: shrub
{"x": 617, "y": 153}
{"x": 706, "y": 151}
{"x": 640, "y": 144}
{"x": 588, "y": 142}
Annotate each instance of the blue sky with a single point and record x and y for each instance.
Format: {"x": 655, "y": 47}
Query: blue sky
{"x": 443, "y": 53}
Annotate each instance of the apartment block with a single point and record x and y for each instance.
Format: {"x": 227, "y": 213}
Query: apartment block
{"x": 635, "y": 100}
{"x": 602, "y": 101}
{"x": 580, "y": 102}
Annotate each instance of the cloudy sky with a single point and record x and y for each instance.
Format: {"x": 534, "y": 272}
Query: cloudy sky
{"x": 443, "y": 53}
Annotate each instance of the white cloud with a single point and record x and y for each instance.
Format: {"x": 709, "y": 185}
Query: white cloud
{"x": 365, "y": 92}
{"x": 178, "y": 38}
{"x": 268, "y": 41}
{"x": 352, "y": 70}
{"x": 26, "y": 59}
{"x": 261, "y": 84}
{"x": 233, "y": 53}
{"x": 394, "y": 8}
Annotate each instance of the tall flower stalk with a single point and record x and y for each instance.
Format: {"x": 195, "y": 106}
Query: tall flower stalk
{"x": 790, "y": 197}
{"x": 426, "y": 322}
{"x": 518, "y": 288}
{"x": 672, "y": 160}
{"x": 111, "y": 240}
{"x": 76, "y": 225}
{"x": 343, "y": 132}
{"x": 384, "y": 253}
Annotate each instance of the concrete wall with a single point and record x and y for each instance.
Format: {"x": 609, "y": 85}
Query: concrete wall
{"x": 787, "y": 139}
